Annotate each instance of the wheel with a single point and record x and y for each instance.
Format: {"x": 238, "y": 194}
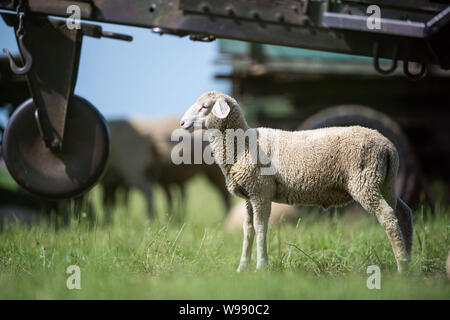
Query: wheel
{"x": 408, "y": 179}
{"x": 64, "y": 174}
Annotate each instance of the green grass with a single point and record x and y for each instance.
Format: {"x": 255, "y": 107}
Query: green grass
{"x": 323, "y": 257}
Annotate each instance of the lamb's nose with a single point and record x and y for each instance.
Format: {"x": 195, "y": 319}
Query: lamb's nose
{"x": 181, "y": 123}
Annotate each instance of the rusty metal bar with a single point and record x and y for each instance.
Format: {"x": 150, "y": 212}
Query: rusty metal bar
{"x": 285, "y": 22}
{"x": 387, "y": 26}
{"x": 52, "y": 88}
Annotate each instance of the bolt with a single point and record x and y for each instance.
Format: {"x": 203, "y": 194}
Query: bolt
{"x": 56, "y": 145}
{"x": 280, "y": 17}
{"x": 255, "y": 14}
{"x": 152, "y": 7}
{"x": 205, "y": 8}
{"x": 304, "y": 20}
{"x": 230, "y": 11}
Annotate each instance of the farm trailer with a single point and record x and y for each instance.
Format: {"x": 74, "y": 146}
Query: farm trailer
{"x": 56, "y": 144}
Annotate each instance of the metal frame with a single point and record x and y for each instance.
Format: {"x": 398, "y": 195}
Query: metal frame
{"x": 295, "y": 23}
{"x": 51, "y": 43}
{"x": 387, "y": 26}
{"x": 322, "y": 25}
{"x": 45, "y": 41}
{"x": 336, "y": 26}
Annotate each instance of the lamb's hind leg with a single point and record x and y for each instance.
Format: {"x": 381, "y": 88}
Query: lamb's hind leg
{"x": 402, "y": 212}
{"x": 405, "y": 220}
{"x": 374, "y": 203}
{"x": 249, "y": 234}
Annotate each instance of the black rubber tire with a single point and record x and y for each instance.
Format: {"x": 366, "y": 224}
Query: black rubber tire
{"x": 409, "y": 174}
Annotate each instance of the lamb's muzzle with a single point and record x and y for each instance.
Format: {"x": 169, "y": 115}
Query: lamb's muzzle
{"x": 326, "y": 167}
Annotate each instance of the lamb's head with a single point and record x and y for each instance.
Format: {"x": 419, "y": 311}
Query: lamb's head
{"x": 210, "y": 111}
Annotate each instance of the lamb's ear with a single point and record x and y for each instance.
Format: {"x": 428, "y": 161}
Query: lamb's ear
{"x": 221, "y": 109}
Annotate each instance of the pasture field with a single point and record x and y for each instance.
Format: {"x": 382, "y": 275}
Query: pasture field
{"x": 323, "y": 257}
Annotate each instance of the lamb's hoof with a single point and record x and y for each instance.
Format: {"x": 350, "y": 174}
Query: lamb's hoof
{"x": 242, "y": 267}
{"x": 402, "y": 267}
{"x": 262, "y": 266}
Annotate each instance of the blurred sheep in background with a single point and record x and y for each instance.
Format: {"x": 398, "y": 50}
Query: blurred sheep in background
{"x": 141, "y": 156}
{"x": 280, "y": 214}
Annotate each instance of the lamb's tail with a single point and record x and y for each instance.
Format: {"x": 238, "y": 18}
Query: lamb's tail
{"x": 391, "y": 166}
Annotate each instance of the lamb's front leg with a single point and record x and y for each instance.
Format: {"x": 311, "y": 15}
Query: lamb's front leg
{"x": 249, "y": 234}
{"x": 261, "y": 214}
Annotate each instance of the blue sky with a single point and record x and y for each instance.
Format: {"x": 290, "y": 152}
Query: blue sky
{"x": 152, "y": 76}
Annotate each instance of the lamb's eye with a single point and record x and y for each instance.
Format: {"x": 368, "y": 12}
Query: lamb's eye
{"x": 205, "y": 106}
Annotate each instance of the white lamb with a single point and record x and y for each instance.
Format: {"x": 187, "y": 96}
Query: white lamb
{"x": 326, "y": 167}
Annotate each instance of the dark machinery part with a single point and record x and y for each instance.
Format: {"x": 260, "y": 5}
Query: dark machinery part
{"x": 64, "y": 174}
{"x": 48, "y": 42}
{"x": 411, "y": 31}
{"x": 419, "y": 29}
{"x": 45, "y": 42}
{"x": 51, "y": 44}
{"x": 13, "y": 91}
